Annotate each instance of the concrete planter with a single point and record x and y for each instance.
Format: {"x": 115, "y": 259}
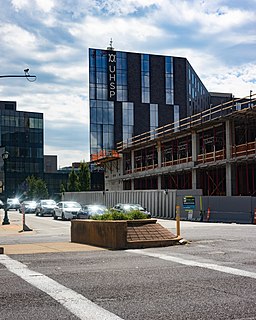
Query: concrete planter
{"x": 121, "y": 234}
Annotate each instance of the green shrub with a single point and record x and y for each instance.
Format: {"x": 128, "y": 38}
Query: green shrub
{"x": 104, "y": 216}
{"x": 116, "y": 215}
{"x": 137, "y": 214}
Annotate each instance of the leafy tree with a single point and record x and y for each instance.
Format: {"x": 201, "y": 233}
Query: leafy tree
{"x": 36, "y": 188}
{"x": 73, "y": 181}
{"x": 84, "y": 176}
{"x": 62, "y": 188}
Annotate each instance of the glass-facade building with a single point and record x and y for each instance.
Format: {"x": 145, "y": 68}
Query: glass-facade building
{"x": 132, "y": 93}
{"x": 21, "y": 134}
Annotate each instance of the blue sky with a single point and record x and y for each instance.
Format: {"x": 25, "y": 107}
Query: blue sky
{"x": 52, "y": 37}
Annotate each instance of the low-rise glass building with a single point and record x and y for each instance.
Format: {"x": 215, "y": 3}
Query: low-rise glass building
{"x": 21, "y": 134}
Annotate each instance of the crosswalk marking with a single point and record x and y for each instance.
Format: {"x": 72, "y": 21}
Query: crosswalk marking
{"x": 77, "y": 304}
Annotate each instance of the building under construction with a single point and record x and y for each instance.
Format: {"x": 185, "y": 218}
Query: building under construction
{"x": 214, "y": 150}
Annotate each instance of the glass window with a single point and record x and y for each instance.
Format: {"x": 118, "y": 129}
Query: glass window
{"x": 93, "y": 139}
{"x": 99, "y": 115}
{"x": 35, "y": 123}
{"x": 98, "y": 74}
{"x": 145, "y": 78}
{"x": 92, "y": 91}
{"x": 128, "y": 119}
{"x": 121, "y": 79}
{"x": 153, "y": 118}
{"x": 108, "y": 137}
{"x": 176, "y": 116}
{"x": 102, "y": 130}
{"x": 93, "y": 112}
{"x": 169, "y": 87}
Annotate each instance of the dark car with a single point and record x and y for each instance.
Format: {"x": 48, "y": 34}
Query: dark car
{"x": 90, "y": 210}
{"x": 45, "y": 207}
{"x": 29, "y": 206}
{"x": 128, "y": 207}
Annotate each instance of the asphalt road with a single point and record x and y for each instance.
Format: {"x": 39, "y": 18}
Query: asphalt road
{"x": 211, "y": 277}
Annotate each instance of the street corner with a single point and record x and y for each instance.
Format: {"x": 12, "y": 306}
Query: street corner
{"x": 48, "y": 247}
{"x": 10, "y": 229}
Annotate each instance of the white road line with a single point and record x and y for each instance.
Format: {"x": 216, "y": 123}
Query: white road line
{"x": 76, "y": 303}
{"x": 192, "y": 263}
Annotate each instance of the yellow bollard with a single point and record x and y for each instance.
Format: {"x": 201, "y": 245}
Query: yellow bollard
{"x": 178, "y": 220}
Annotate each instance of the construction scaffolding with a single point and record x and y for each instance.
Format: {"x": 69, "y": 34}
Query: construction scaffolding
{"x": 214, "y": 150}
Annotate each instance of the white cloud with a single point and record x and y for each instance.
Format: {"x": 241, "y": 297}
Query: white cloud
{"x": 19, "y": 4}
{"x": 70, "y": 156}
{"x": 96, "y": 31}
{"x": 15, "y": 37}
{"x": 52, "y": 38}
{"x": 45, "y": 5}
{"x": 238, "y": 81}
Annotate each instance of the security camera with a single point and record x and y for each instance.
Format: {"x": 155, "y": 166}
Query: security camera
{"x": 26, "y": 70}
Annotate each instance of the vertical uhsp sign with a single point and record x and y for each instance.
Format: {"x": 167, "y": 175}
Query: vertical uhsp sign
{"x": 111, "y": 75}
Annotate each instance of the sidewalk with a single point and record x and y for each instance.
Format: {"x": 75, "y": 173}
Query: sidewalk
{"x": 47, "y": 247}
{"x": 16, "y": 228}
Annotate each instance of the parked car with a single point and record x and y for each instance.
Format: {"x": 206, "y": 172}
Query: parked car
{"x": 66, "y": 210}
{"x": 128, "y": 207}
{"x": 45, "y": 207}
{"x": 13, "y": 203}
{"x": 89, "y": 210}
{"x": 29, "y": 206}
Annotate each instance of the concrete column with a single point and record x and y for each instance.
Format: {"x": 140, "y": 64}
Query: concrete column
{"x": 159, "y": 154}
{"x": 195, "y": 146}
{"x": 132, "y": 169}
{"x": 159, "y": 182}
{"x": 132, "y": 160}
{"x": 194, "y": 180}
{"x": 132, "y": 184}
{"x": 228, "y": 135}
{"x": 228, "y": 179}
{"x": 120, "y": 166}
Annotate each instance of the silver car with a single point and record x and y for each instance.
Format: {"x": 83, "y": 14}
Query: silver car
{"x": 28, "y": 206}
{"x": 129, "y": 207}
{"x": 90, "y": 210}
{"x": 66, "y": 210}
{"x": 45, "y": 207}
{"x": 13, "y": 203}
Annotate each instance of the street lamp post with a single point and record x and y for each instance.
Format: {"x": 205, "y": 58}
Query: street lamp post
{"x": 5, "y": 156}
{"x": 26, "y": 75}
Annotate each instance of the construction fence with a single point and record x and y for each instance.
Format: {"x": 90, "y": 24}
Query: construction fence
{"x": 163, "y": 204}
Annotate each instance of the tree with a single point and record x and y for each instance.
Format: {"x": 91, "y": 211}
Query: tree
{"x": 84, "y": 176}
{"x": 62, "y": 188}
{"x": 36, "y": 188}
{"x": 73, "y": 181}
